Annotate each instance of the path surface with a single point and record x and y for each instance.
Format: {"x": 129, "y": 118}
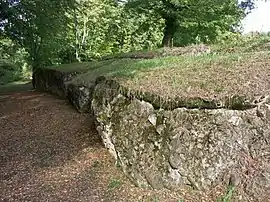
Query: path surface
{"x": 50, "y": 152}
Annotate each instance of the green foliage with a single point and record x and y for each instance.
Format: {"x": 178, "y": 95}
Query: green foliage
{"x": 13, "y": 66}
{"x": 192, "y": 21}
{"x": 134, "y": 31}
{"x": 8, "y": 72}
{"x": 228, "y": 196}
{"x": 11, "y": 52}
{"x": 114, "y": 184}
{"x": 49, "y": 32}
{"x": 247, "y": 43}
{"x": 102, "y": 27}
{"x": 38, "y": 26}
{"x": 67, "y": 31}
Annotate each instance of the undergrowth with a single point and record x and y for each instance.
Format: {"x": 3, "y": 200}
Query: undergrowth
{"x": 10, "y": 73}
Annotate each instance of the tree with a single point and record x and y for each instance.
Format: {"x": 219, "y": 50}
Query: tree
{"x": 222, "y": 15}
{"x": 102, "y": 27}
{"x": 37, "y": 25}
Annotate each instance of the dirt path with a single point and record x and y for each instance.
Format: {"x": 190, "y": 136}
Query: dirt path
{"x": 50, "y": 152}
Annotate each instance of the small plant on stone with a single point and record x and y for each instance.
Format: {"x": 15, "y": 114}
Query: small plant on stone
{"x": 228, "y": 196}
{"x": 114, "y": 184}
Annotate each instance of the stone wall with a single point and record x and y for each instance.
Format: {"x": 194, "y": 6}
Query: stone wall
{"x": 161, "y": 147}
{"x": 59, "y": 83}
{"x": 197, "y": 147}
{"x": 53, "y": 81}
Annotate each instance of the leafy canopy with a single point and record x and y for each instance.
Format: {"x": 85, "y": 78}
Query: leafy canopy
{"x": 209, "y": 17}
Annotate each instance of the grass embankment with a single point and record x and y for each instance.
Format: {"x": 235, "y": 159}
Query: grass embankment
{"x": 241, "y": 69}
{"x": 206, "y": 76}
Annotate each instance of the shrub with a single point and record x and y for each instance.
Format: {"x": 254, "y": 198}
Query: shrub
{"x": 9, "y": 72}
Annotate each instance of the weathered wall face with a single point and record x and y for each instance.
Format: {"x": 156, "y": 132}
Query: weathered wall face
{"x": 200, "y": 148}
{"x": 53, "y": 81}
{"x": 59, "y": 83}
{"x": 163, "y": 147}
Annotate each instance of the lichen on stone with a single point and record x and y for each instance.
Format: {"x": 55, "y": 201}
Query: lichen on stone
{"x": 173, "y": 142}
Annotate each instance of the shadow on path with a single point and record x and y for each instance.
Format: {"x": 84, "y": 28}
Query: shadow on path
{"x": 48, "y": 151}
{"x": 15, "y": 87}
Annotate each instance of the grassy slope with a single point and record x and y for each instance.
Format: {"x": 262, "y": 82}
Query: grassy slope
{"x": 242, "y": 68}
{"x": 205, "y": 76}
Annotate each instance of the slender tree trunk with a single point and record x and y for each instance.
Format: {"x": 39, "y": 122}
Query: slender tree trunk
{"x": 85, "y": 31}
{"x": 36, "y": 58}
{"x": 35, "y": 65}
{"x": 169, "y": 30}
{"x": 34, "y": 77}
{"x": 76, "y": 36}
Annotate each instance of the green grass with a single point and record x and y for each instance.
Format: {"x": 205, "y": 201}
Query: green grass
{"x": 207, "y": 76}
{"x": 114, "y": 184}
{"x": 228, "y": 196}
{"x": 81, "y": 67}
{"x": 244, "y": 44}
{"x": 200, "y": 76}
{"x": 124, "y": 68}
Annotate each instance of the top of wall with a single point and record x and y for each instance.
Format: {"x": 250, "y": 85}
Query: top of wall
{"x": 196, "y": 74}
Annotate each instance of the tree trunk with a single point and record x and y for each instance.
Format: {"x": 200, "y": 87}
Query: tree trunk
{"x": 34, "y": 79}
{"x": 76, "y": 36}
{"x": 36, "y": 58}
{"x": 169, "y": 30}
{"x": 36, "y": 64}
